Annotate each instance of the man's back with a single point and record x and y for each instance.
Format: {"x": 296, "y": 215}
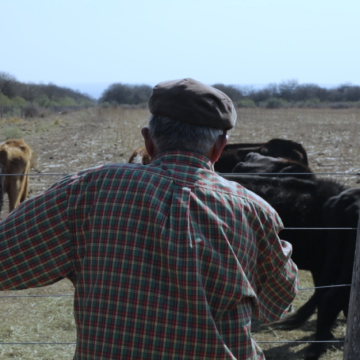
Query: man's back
{"x": 169, "y": 260}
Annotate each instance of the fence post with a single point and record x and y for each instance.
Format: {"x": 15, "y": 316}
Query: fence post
{"x": 352, "y": 339}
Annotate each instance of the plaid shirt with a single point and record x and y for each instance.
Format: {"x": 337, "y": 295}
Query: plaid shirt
{"x": 168, "y": 260}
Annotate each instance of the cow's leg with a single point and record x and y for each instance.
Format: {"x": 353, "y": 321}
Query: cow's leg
{"x": 13, "y": 192}
{"x": 336, "y": 299}
{"x": 329, "y": 307}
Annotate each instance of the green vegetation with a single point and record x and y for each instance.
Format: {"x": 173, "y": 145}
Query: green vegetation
{"x": 12, "y": 132}
{"x": 37, "y": 99}
{"x": 287, "y": 94}
{"x": 274, "y": 103}
{"x": 291, "y": 94}
{"x": 245, "y": 103}
{"x": 117, "y": 94}
{"x": 16, "y": 93}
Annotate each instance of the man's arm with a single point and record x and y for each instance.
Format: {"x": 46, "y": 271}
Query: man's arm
{"x": 35, "y": 243}
{"x": 277, "y": 281}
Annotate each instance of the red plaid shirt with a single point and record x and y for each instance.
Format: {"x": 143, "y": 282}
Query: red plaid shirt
{"x": 169, "y": 260}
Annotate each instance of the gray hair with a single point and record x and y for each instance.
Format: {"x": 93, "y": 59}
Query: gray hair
{"x": 170, "y": 135}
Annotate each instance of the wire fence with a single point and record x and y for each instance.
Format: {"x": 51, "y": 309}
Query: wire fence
{"x": 226, "y": 175}
{"x": 71, "y": 295}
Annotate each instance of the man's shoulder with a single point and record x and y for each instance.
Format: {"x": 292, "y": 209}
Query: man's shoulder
{"x": 238, "y": 191}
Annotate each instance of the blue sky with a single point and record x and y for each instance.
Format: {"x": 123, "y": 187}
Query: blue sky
{"x": 91, "y": 44}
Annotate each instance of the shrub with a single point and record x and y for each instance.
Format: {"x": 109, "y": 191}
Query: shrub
{"x": 43, "y": 101}
{"x": 4, "y": 100}
{"x": 31, "y": 110}
{"x": 18, "y": 101}
{"x": 126, "y": 94}
{"x": 245, "y": 103}
{"x": 106, "y": 105}
{"x": 67, "y": 102}
{"x": 312, "y": 103}
{"x": 341, "y": 105}
{"x": 12, "y": 132}
{"x": 85, "y": 102}
{"x": 274, "y": 103}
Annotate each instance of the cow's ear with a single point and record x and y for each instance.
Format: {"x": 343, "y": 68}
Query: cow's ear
{"x": 288, "y": 169}
{"x": 149, "y": 143}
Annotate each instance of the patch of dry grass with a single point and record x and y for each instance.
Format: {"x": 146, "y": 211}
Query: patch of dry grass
{"x": 92, "y": 137}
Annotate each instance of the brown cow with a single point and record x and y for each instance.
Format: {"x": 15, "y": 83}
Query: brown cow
{"x": 140, "y": 156}
{"x": 16, "y": 158}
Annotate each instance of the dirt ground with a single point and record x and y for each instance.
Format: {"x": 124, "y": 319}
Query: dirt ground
{"x": 71, "y": 142}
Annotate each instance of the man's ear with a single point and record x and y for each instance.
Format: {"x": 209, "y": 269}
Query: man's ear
{"x": 149, "y": 143}
{"x": 218, "y": 147}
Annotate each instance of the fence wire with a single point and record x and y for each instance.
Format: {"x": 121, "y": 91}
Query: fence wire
{"x": 258, "y": 342}
{"x": 233, "y": 175}
{"x": 222, "y": 174}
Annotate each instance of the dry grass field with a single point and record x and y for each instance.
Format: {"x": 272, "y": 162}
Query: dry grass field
{"x": 68, "y": 143}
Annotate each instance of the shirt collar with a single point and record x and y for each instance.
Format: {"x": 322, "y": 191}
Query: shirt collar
{"x": 183, "y": 158}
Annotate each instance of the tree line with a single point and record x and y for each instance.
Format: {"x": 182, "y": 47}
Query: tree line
{"x": 286, "y": 94}
{"x": 16, "y": 93}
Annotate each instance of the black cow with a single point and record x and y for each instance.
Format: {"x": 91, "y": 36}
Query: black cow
{"x": 340, "y": 211}
{"x": 235, "y": 153}
{"x": 327, "y": 254}
{"x": 258, "y": 164}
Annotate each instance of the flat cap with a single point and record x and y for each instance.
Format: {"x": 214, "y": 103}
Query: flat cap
{"x": 193, "y": 102}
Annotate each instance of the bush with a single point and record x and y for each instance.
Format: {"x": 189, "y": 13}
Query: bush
{"x": 245, "y": 103}
{"x": 126, "y": 94}
{"x": 31, "y": 110}
{"x": 311, "y": 103}
{"x": 105, "y": 105}
{"x": 12, "y": 132}
{"x": 275, "y": 103}
{"x": 4, "y": 100}
{"x": 46, "y": 102}
{"x": 341, "y": 105}
{"x": 18, "y": 101}
{"x": 67, "y": 102}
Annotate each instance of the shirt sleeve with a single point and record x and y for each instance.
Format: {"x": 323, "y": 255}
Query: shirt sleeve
{"x": 277, "y": 280}
{"x": 35, "y": 242}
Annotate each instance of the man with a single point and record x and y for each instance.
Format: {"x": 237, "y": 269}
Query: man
{"x": 168, "y": 260}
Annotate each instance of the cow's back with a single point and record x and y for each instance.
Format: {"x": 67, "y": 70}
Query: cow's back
{"x": 235, "y": 153}
{"x": 299, "y": 204}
